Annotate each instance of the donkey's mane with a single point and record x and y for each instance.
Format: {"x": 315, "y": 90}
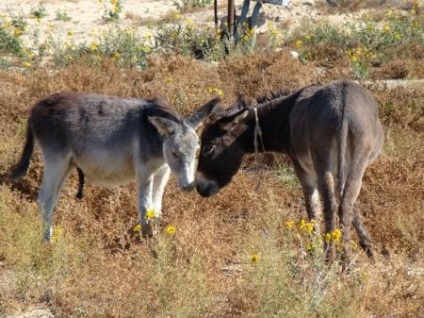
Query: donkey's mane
{"x": 271, "y": 95}
{"x": 243, "y": 103}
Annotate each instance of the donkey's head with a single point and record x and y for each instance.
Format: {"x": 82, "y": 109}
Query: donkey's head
{"x": 222, "y": 149}
{"x": 181, "y": 143}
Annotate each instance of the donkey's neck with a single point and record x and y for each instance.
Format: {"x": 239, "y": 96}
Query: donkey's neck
{"x": 273, "y": 122}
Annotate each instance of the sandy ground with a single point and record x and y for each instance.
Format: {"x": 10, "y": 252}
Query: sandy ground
{"x": 142, "y": 15}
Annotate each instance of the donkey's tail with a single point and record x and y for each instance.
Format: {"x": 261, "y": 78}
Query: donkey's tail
{"x": 21, "y": 168}
{"x": 342, "y": 144}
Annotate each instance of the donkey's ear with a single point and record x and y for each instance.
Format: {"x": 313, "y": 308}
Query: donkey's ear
{"x": 202, "y": 113}
{"x": 236, "y": 119}
{"x": 164, "y": 126}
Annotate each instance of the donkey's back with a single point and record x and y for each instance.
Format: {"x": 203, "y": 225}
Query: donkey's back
{"x": 333, "y": 122}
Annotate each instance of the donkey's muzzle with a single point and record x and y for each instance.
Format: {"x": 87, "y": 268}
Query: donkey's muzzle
{"x": 207, "y": 190}
{"x": 188, "y": 187}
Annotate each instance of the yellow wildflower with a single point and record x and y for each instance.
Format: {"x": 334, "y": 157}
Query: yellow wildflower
{"x": 327, "y": 237}
{"x": 216, "y": 91}
{"x": 336, "y": 235}
{"x": 310, "y": 246}
{"x": 169, "y": 80}
{"x": 116, "y": 55}
{"x": 299, "y": 43}
{"x": 57, "y": 234}
{"x": 137, "y": 228}
{"x": 255, "y": 258}
{"x": 150, "y": 214}
{"x": 274, "y": 32}
{"x": 94, "y": 47}
{"x": 289, "y": 224}
{"x": 171, "y": 229}
{"x": 26, "y": 64}
{"x": 147, "y": 49}
{"x": 30, "y": 55}
{"x": 301, "y": 224}
{"x": 309, "y": 227}
{"x": 17, "y": 32}
{"x": 189, "y": 21}
{"x": 386, "y": 28}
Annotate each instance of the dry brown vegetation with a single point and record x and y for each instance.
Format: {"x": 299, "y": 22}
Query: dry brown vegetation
{"x": 97, "y": 268}
{"x": 233, "y": 255}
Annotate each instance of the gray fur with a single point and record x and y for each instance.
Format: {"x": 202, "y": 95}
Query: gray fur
{"x": 112, "y": 141}
{"x": 330, "y": 132}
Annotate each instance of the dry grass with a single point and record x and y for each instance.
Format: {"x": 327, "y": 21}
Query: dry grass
{"x": 97, "y": 268}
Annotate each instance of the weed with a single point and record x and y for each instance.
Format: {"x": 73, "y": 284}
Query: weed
{"x": 38, "y": 12}
{"x": 185, "y": 5}
{"x": 365, "y": 44}
{"x": 62, "y": 16}
{"x": 185, "y": 38}
{"x": 287, "y": 177}
{"x": 113, "y": 14}
{"x": 10, "y": 41}
{"x": 123, "y": 46}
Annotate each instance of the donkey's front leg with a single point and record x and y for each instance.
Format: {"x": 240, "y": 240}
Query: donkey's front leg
{"x": 159, "y": 182}
{"x": 145, "y": 187}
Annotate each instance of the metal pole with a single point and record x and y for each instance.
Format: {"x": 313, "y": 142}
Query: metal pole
{"x": 231, "y": 11}
{"x": 215, "y": 11}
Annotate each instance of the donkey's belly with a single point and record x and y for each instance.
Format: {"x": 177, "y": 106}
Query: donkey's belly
{"x": 109, "y": 178}
{"x": 107, "y": 168}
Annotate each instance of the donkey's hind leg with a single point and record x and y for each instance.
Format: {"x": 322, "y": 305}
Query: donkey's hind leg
{"x": 347, "y": 213}
{"x": 327, "y": 191}
{"x": 310, "y": 193}
{"x": 364, "y": 238}
{"x": 56, "y": 171}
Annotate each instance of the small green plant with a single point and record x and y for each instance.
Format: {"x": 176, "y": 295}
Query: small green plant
{"x": 364, "y": 45}
{"x": 186, "y": 38}
{"x": 10, "y": 41}
{"x": 287, "y": 275}
{"x": 183, "y": 5}
{"x": 288, "y": 177}
{"x": 20, "y": 25}
{"x": 114, "y": 12}
{"x": 38, "y": 12}
{"x": 62, "y": 16}
{"x": 123, "y": 46}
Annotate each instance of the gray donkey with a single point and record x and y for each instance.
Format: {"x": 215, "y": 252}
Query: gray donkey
{"x": 331, "y": 134}
{"x": 112, "y": 141}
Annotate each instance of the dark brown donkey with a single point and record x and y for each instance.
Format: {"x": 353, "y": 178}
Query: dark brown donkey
{"x": 331, "y": 133}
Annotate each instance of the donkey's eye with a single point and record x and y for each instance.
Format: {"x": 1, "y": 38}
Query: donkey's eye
{"x": 208, "y": 150}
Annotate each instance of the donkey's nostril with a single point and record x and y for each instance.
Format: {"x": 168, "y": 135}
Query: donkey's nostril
{"x": 188, "y": 187}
